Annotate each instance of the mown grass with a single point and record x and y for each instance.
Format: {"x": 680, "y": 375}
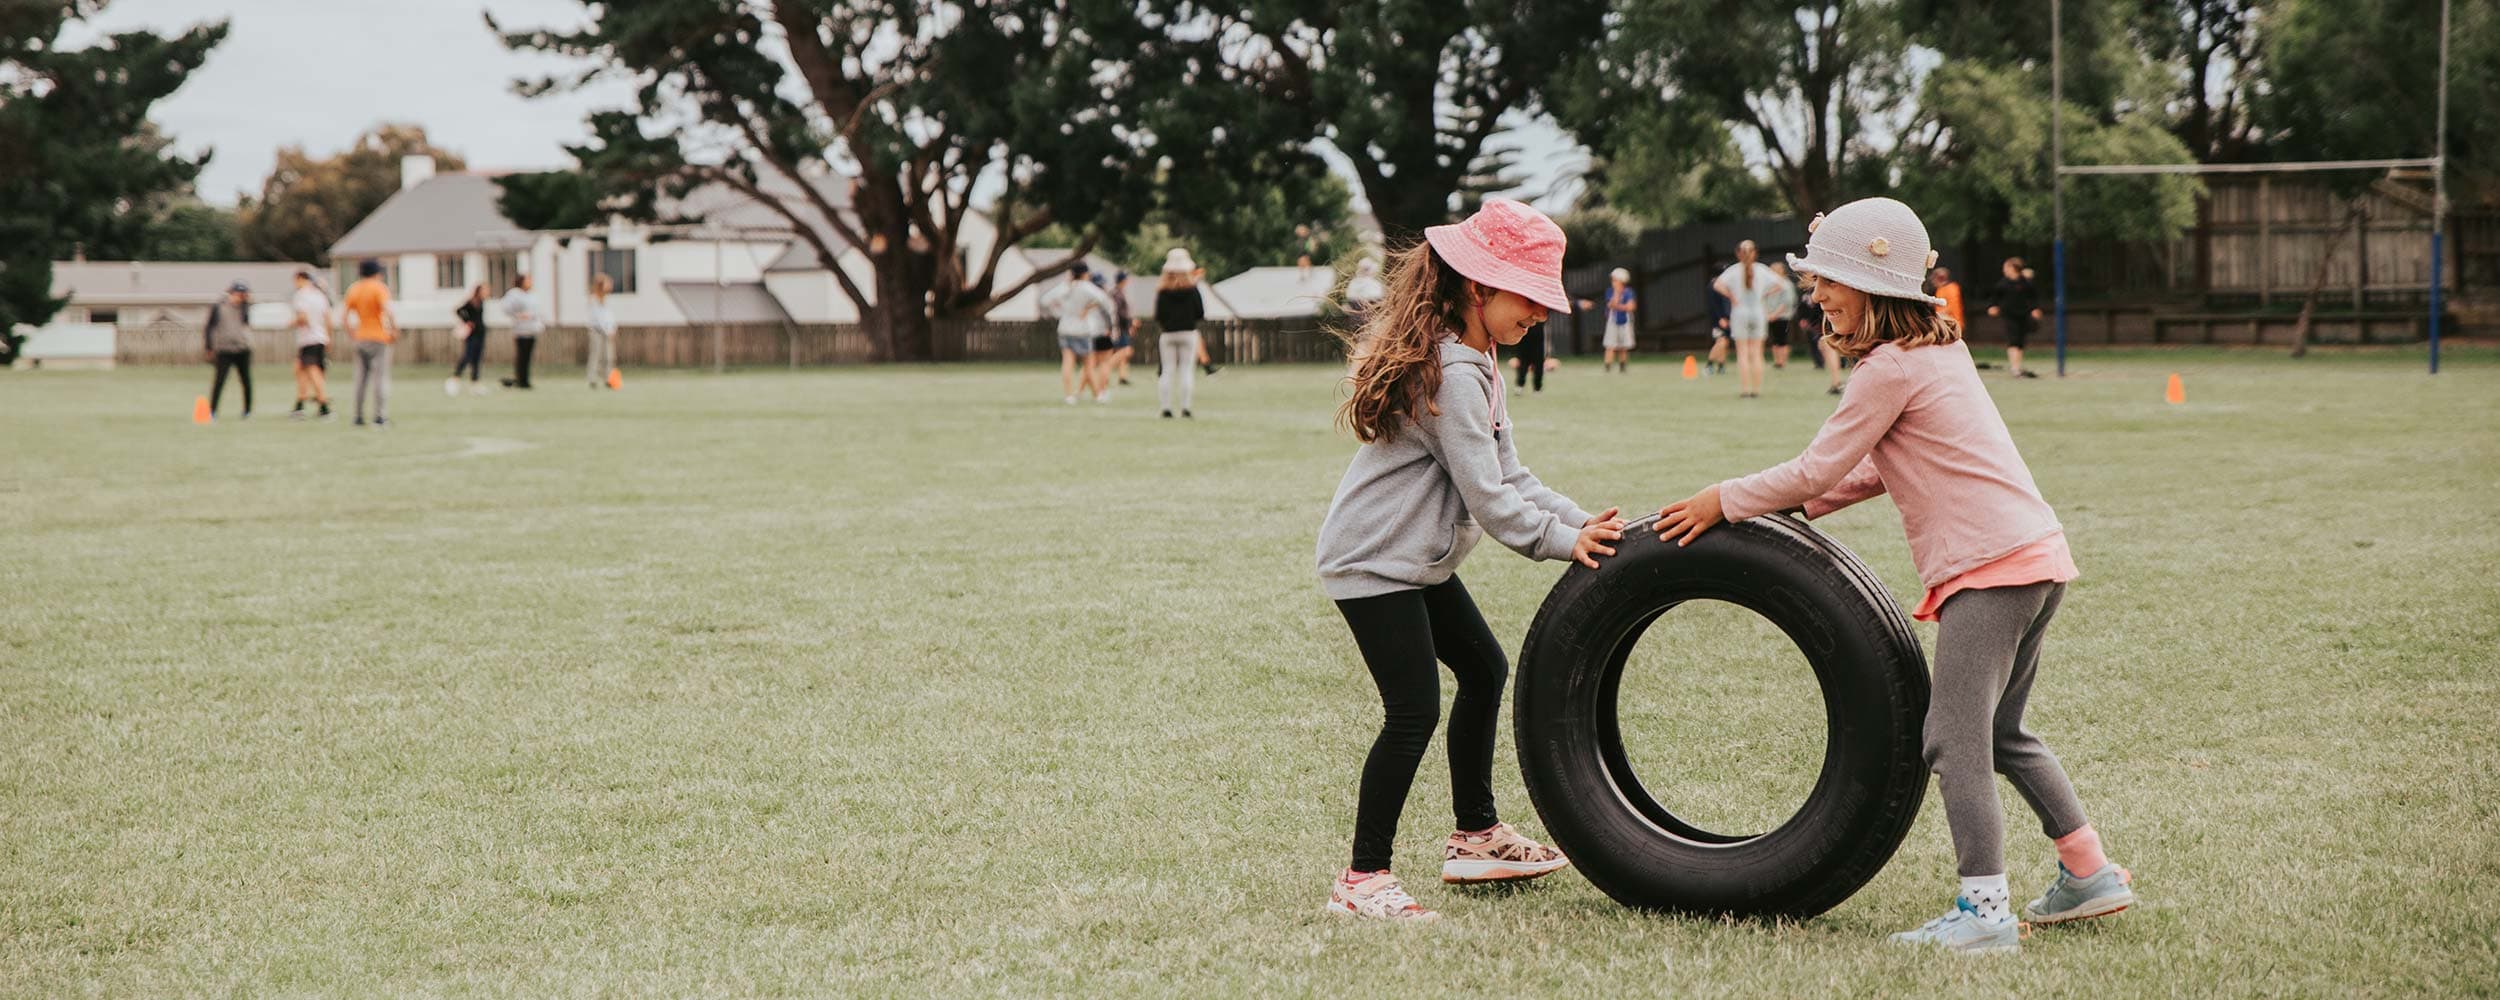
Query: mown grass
{"x": 916, "y": 682}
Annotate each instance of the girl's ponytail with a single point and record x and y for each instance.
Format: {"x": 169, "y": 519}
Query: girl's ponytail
{"x": 1397, "y": 361}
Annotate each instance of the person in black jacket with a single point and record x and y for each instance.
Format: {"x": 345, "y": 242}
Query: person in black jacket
{"x": 469, "y": 322}
{"x": 2018, "y": 304}
{"x": 1178, "y": 310}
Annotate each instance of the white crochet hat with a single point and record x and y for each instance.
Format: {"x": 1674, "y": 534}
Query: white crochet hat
{"x": 1178, "y": 260}
{"x": 1875, "y": 245}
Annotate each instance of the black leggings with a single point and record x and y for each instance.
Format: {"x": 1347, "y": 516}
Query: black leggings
{"x": 522, "y": 348}
{"x": 241, "y": 363}
{"x": 1400, "y": 633}
{"x": 472, "y": 355}
{"x": 1531, "y": 356}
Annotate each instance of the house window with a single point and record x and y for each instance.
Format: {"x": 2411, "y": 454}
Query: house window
{"x": 104, "y": 315}
{"x": 503, "y": 270}
{"x": 451, "y": 270}
{"x": 618, "y": 265}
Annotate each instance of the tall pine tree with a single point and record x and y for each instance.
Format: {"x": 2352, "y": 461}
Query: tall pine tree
{"x": 79, "y": 166}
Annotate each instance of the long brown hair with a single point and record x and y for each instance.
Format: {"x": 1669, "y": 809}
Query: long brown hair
{"x": 1397, "y": 360}
{"x": 1907, "y": 322}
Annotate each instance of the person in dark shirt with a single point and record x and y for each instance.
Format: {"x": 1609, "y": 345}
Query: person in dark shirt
{"x": 2018, "y": 304}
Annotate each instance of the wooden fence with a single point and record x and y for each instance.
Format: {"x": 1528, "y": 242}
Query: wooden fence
{"x": 756, "y": 345}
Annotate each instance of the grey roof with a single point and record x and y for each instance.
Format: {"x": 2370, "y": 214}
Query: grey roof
{"x": 736, "y": 302}
{"x": 1277, "y": 292}
{"x": 445, "y": 212}
{"x": 458, "y": 212}
{"x": 149, "y": 282}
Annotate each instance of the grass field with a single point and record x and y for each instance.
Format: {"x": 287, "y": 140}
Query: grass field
{"x": 915, "y": 682}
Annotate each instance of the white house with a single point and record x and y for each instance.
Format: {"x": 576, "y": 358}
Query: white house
{"x": 740, "y": 261}
{"x": 137, "y": 294}
{"x": 442, "y": 234}
{"x": 1278, "y": 292}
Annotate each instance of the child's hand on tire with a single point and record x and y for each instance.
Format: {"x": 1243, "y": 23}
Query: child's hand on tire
{"x": 1603, "y": 528}
{"x": 1689, "y": 517}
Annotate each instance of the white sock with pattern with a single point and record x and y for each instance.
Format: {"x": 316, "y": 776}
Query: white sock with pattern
{"x": 1989, "y": 894}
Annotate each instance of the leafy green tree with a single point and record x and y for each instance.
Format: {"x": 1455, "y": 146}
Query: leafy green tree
{"x": 1067, "y": 109}
{"x": 1672, "y": 166}
{"x": 1598, "y": 236}
{"x": 1816, "y": 86}
{"x": 187, "y": 228}
{"x": 1258, "y": 230}
{"x": 1978, "y": 165}
{"x": 1408, "y": 90}
{"x": 2193, "y": 64}
{"x": 2356, "y": 79}
{"x": 307, "y": 204}
{"x": 550, "y": 199}
{"x": 79, "y": 166}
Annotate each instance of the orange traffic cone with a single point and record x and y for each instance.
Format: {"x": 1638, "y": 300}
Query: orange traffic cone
{"x": 1692, "y": 368}
{"x": 2176, "y": 393}
{"x": 199, "y": 410}
{"x": 616, "y": 378}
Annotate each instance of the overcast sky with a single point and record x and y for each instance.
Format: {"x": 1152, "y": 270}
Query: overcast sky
{"x": 315, "y": 73}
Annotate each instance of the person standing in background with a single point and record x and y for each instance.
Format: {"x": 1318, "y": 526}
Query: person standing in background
{"x": 228, "y": 343}
{"x": 1951, "y": 292}
{"x": 1783, "y": 318}
{"x": 469, "y": 321}
{"x": 1084, "y": 312}
{"x": 1178, "y": 311}
{"x": 602, "y": 332}
{"x": 1752, "y": 290}
{"x": 1622, "y": 305}
{"x": 521, "y": 308}
{"x": 1530, "y": 356}
{"x": 312, "y": 344}
{"x": 370, "y": 319}
{"x": 2018, "y": 304}
{"x": 1123, "y": 327}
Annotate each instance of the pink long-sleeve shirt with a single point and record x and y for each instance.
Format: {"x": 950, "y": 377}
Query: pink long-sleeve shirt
{"x": 1918, "y": 424}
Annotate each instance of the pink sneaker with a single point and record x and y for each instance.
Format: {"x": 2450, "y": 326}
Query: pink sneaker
{"x": 1376, "y": 897}
{"x": 1499, "y": 856}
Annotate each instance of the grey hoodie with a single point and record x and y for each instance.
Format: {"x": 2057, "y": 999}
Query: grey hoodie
{"x": 1411, "y": 507}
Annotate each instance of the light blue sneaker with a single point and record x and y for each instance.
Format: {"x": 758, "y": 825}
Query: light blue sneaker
{"x": 1963, "y": 931}
{"x": 2070, "y": 898}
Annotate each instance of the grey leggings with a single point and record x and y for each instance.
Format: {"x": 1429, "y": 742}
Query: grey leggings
{"x": 1179, "y": 352}
{"x": 373, "y": 368}
{"x": 1987, "y": 655}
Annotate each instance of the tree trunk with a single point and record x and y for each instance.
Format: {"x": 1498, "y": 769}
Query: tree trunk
{"x": 897, "y": 322}
{"x": 2317, "y": 279}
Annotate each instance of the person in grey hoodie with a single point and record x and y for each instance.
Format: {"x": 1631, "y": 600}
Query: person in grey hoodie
{"x": 1436, "y": 472}
{"x": 228, "y": 342}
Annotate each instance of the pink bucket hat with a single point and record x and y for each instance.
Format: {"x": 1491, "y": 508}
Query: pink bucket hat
{"x": 1509, "y": 246}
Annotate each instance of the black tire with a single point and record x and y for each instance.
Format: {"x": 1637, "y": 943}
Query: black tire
{"x": 1874, "y": 681}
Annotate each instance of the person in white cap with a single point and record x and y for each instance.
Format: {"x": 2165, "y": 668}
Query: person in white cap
{"x": 1437, "y": 471}
{"x": 1622, "y": 305}
{"x": 1916, "y": 423}
{"x": 1178, "y": 311}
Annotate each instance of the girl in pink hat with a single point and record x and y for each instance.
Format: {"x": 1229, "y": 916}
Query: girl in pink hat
{"x": 1436, "y": 472}
{"x": 1915, "y": 422}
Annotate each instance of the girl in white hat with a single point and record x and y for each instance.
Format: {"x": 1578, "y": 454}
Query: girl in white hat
{"x": 1621, "y": 304}
{"x": 1436, "y": 473}
{"x": 1916, "y": 423}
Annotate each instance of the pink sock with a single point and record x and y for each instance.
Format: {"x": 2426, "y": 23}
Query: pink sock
{"x": 2080, "y": 851}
